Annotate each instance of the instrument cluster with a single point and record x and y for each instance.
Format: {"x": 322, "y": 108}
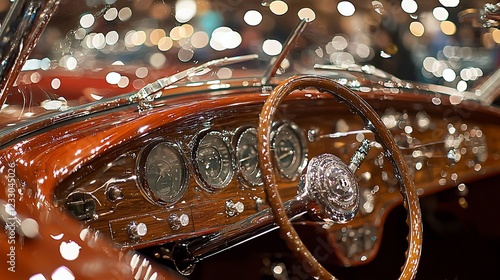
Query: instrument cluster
{"x": 216, "y": 157}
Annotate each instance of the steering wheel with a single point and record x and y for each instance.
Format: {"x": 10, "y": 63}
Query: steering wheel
{"x": 372, "y": 122}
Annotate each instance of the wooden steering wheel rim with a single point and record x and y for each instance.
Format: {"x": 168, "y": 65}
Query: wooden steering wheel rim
{"x": 374, "y": 123}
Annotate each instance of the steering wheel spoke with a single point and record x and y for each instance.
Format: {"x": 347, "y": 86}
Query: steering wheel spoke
{"x": 359, "y": 156}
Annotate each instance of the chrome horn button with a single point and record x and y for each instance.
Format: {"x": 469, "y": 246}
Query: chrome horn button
{"x": 331, "y": 188}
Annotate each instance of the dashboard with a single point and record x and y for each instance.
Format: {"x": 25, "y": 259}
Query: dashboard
{"x": 192, "y": 182}
{"x": 199, "y": 174}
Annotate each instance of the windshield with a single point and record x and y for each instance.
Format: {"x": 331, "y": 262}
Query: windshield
{"x": 96, "y": 49}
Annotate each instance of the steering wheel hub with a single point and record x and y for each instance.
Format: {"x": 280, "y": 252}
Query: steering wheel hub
{"x": 331, "y": 188}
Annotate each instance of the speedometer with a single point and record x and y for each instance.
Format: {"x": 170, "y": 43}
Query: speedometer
{"x": 213, "y": 161}
{"x": 246, "y": 154}
{"x": 290, "y": 151}
{"x": 165, "y": 176}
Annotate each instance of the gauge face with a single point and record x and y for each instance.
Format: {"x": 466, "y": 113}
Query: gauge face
{"x": 214, "y": 161}
{"x": 246, "y": 154}
{"x": 165, "y": 174}
{"x": 290, "y": 151}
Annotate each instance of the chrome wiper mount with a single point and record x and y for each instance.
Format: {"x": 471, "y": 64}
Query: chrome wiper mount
{"x": 149, "y": 92}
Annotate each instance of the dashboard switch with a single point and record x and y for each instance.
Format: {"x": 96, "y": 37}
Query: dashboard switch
{"x": 176, "y": 221}
{"x": 114, "y": 194}
{"x": 233, "y": 209}
{"x": 137, "y": 230}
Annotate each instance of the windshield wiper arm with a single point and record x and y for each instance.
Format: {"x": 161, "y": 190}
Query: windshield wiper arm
{"x": 149, "y": 92}
{"x": 276, "y": 61}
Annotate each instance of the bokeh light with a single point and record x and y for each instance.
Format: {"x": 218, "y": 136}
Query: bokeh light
{"x": 185, "y": 10}
{"x": 272, "y": 47}
{"x": 87, "y": 20}
{"x": 448, "y": 27}
{"x": 346, "y": 8}
{"x": 417, "y": 29}
{"x": 440, "y": 13}
{"x": 409, "y": 6}
{"x": 253, "y": 17}
{"x": 278, "y": 7}
{"x": 449, "y": 3}
{"x": 307, "y": 13}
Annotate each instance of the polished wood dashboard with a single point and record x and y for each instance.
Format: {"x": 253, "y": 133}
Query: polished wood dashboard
{"x": 94, "y": 164}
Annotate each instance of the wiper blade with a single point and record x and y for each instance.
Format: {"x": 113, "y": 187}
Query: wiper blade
{"x": 276, "y": 61}
{"x": 149, "y": 92}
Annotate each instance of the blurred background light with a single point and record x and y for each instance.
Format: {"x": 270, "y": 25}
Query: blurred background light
{"x": 253, "y": 17}
{"x": 185, "y": 10}
{"x": 449, "y": 75}
{"x": 307, "y": 13}
{"x": 111, "y": 14}
{"x": 417, "y": 29}
{"x": 112, "y": 37}
{"x": 346, "y": 8}
{"x": 87, "y": 20}
{"x": 449, "y": 3}
{"x": 278, "y": 7}
{"x": 113, "y": 78}
{"x": 125, "y": 14}
{"x": 156, "y": 35}
{"x": 272, "y": 47}
{"x": 409, "y": 6}
{"x": 165, "y": 43}
{"x": 200, "y": 39}
{"x": 157, "y": 60}
{"x": 440, "y": 13}
{"x": 225, "y": 38}
{"x": 448, "y": 27}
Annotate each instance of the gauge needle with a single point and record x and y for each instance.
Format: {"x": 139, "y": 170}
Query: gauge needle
{"x": 248, "y": 158}
{"x": 282, "y": 156}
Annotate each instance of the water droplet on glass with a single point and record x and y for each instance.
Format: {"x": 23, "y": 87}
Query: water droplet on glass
{"x": 436, "y": 100}
{"x": 477, "y": 167}
{"x": 379, "y": 8}
{"x": 463, "y": 190}
{"x": 454, "y": 176}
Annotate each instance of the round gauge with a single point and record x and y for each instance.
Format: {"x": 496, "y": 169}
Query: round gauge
{"x": 213, "y": 161}
{"x": 290, "y": 150}
{"x": 246, "y": 155}
{"x": 165, "y": 173}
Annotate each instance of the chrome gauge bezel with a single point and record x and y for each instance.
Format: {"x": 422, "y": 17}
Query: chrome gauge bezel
{"x": 227, "y": 161}
{"x": 142, "y": 169}
{"x": 252, "y": 179}
{"x": 299, "y": 142}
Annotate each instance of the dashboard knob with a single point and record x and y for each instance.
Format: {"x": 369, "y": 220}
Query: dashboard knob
{"x": 137, "y": 230}
{"x": 114, "y": 194}
{"x": 233, "y": 209}
{"x": 176, "y": 221}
